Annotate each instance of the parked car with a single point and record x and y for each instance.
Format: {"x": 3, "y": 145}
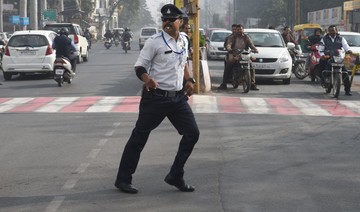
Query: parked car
{"x": 273, "y": 60}
{"x": 145, "y": 33}
{"x": 215, "y": 44}
{"x": 76, "y": 34}
{"x": 29, "y": 52}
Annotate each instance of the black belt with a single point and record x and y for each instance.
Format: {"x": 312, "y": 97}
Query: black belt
{"x": 164, "y": 93}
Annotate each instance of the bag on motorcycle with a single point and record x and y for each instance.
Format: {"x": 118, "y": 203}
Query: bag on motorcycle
{"x": 230, "y": 58}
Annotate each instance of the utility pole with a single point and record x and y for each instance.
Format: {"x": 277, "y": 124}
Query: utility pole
{"x": 43, "y": 7}
{"x": 33, "y": 14}
{"x": 23, "y": 10}
{"x": 1, "y": 16}
{"x": 61, "y": 8}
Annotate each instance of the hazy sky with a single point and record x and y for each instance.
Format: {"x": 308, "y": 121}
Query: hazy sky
{"x": 154, "y": 7}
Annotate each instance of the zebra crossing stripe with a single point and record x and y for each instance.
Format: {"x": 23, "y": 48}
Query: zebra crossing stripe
{"x": 198, "y": 103}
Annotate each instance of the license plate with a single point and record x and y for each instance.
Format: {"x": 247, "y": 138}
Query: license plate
{"x": 27, "y": 52}
{"x": 261, "y": 66}
{"x": 59, "y": 71}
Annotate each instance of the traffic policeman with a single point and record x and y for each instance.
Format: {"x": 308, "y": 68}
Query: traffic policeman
{"x": 162, "y": 66}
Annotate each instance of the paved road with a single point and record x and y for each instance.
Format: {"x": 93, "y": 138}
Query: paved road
{"x": 297, "y": 150}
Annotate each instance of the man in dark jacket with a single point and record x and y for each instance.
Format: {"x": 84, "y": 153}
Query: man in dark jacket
{"x": 331, "y": 43}
{"x": 65, "y": 47}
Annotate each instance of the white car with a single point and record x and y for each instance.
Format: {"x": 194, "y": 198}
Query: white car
{"x": 215, "y": 44}
{"x": 273, "y": 60}
{"x": 353, "y": 39}
{"x": 146, "y": 33}
{"x": 29, "y": 52}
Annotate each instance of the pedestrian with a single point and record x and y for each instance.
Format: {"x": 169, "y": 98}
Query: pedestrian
{"x": 287, "y": 36}
{"x": 163, "y": 68}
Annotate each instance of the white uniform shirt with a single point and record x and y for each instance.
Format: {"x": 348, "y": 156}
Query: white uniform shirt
{"x": 165, "y": 60}
{"x": 344, "y": 44}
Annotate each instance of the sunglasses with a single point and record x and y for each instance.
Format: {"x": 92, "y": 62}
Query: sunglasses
{"x": 169, "y": 19}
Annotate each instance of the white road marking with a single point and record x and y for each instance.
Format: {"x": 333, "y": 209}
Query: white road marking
{"x": 102, "y": 142}
{"x": 8, "y": 105}
{"x": 70, "y": 184}
{"x": 109, "y": 133}
{"x": 55, "y": 204}
{"x": 82, "y": 168}
{"x": 57, "y": 104}
{"x": 309, "y": 108}
{"x": 105, "y": 104}
{"x": 205, "y": 104}
{"x": 255, "y": 105}
{"x": 93, "y": 153}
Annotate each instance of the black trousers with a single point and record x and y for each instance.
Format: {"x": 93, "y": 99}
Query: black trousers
{"x": 152, "y": 112}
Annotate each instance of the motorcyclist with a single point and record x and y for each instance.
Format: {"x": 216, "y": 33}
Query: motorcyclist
{"x": 65, "y": 47}
{"x": 240, "y": 40}
{"x": 108, "y": 35}
{"x": 88, "y": 36}
{"x": 117, "y": 35}
{"x": 126, "y": 37}
{"x": 316, "y": 37}
{"x": 226, "y": 74}
{"x": 330, "y": 44}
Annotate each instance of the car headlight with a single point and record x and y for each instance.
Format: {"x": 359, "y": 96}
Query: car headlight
{"x": 213, "y": 47}
{"x": 284, "y": 57}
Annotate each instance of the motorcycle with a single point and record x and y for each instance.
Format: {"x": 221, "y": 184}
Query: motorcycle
{"x": 116, "y": 42}
{"x": 314, "y": 62}
{"x": 63, "y": 71}
{"x": 241, "y": 71}
{"x": 333, "y": 78}
{"x": 125, "y": 45}
{"x": 299, "y": 60}
{"x": 107, "y": 43}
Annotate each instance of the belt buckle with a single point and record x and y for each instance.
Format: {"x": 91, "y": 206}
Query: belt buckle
{"x": 171, "y": 93}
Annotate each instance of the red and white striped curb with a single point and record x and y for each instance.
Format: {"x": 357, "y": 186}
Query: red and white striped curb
{"x": 199, "y": 104}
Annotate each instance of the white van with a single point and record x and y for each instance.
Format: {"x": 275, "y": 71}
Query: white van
{"x": 145, "y": 33}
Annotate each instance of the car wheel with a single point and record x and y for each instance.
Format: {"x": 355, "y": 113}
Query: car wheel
{"x": 79, "y": 58}
{"x": 86, "y": 58}
{"x": 286, "y": 81}
{"x": 7, "y": 76}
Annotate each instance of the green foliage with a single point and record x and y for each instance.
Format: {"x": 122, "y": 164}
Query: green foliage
{"x": 136, "y": 14}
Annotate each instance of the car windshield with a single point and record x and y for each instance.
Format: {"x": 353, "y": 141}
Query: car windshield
{"x": 28, "y": 41}
{"x": 266, "y": 39}
{"x": 352, "y": 40}
{"x": 219, "y": 36}
{"x": 148, "y": 32}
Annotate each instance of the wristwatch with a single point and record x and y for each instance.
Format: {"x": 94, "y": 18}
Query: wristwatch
{"x": 191, "y": 80}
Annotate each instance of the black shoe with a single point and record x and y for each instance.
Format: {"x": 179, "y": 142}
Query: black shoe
{"x": 347, "y": 93}
{"x": 179, "y": 183}
{"x": 222, "y": 87}
{"x": 126, "y": 187}
{"x": 254, "y": 87}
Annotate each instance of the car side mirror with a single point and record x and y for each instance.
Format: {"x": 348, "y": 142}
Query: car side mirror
{"x": 290, "y": 45}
